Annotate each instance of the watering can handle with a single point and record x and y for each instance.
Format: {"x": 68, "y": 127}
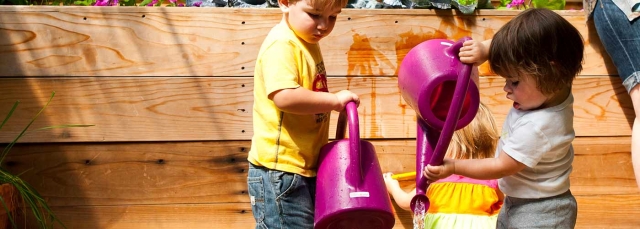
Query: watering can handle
{"x": 464, "y": 76}
{"x": 351, "y": 113}
{"x": 454, "y": 49}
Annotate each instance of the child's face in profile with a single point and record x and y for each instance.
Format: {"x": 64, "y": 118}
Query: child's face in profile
{"x": 309, "y": 22}
{"x": 525, "y": 93}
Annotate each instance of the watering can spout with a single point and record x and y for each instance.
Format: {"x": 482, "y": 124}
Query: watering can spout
{"x": 419, "y": 203}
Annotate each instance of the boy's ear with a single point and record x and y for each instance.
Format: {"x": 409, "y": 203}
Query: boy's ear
{"x": 284, "y": 5}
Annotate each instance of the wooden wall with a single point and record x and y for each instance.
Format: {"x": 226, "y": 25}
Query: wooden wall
{"x": 169, "y": 91}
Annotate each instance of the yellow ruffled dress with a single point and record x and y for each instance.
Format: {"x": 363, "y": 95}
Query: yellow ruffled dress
{"x": 461, "y": 202}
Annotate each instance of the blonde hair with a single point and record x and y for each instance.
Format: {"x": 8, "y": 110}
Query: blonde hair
{"x": 477, "y": 140}
{"x": 322, "y": 4}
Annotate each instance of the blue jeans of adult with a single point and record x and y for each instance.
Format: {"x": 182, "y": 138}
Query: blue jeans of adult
{"x": 281, "y": 199}
{"x": 621, "y": 38}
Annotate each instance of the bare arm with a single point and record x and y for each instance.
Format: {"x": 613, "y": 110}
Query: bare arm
{"x": 402, "y": 198}
{"x": 304, "y": 101}
{"x": 483, "y": 169}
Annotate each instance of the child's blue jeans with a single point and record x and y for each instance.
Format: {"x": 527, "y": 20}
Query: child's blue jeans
{"x": 621, "y": 39}
{"x": 281, "y": 199}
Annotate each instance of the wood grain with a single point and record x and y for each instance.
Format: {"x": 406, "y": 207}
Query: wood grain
{"x": 175, "y": 41}
{"x": 168, "y": 149}
{"x": 82, "y": 174}
{"x": 202, "y": 184}
{"x": 184, "y": 109}
{"x": 619, "y": 213}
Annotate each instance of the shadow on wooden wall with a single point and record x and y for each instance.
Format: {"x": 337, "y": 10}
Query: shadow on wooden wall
{"x": 170, "y": 93}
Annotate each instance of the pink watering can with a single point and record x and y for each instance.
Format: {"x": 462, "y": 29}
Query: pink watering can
{"x": 436, "y": 85}
{"x": 350, "y": 190}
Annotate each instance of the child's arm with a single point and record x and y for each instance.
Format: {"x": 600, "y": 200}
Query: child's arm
{"x": 474, "y": 52}
{"x": 304, "y": 101}
{"x": 483, "y": 169}
{"x": 402, "y": 198}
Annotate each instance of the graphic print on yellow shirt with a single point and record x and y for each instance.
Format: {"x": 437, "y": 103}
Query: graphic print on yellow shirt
{"x": 320, "y": 85}
{"x": 285, "y": 141}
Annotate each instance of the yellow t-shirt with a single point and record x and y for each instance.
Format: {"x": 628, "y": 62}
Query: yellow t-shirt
{"x": 284, "y": 141}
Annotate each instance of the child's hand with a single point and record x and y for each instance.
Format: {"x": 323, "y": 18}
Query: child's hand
{"x": 391, "y": 183}
{"x": 344, "y": 97}
{"x": 435, "y": 173}
{"x": 474, "y": 52}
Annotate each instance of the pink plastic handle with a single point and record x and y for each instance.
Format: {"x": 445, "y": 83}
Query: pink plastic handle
{"x": 464, "y": 76}
{"x": 351, "y": 113}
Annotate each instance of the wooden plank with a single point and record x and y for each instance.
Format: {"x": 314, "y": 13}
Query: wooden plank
{"x": 601, "y": 211}
{"x": 134, "y": 173}
{"x": 178, "y": 41}
{"x": 170, "y": 216}
{"x": 606, "y": 211}
{"x": 592, "y": 154}
{"x": 215, "y": 172}
{"x": 183, "y": 109}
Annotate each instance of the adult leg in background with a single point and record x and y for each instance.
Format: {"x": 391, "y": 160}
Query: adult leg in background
{"x": 621, "y": 39}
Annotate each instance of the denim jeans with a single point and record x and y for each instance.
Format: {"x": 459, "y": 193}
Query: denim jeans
{"x": 281, "y": 199}
{"x": 621, "y": 39}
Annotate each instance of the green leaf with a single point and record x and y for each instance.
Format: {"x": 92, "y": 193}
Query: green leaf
{"x": 145, "y": 2}
{"x": 15, "y": 105}
{"x": 549, "y": 4}
{"x": 63, "y": 126}
{"x": 128, "y": 3}
{"x": 30, "y": 197}
{"x": 6, "y": 149}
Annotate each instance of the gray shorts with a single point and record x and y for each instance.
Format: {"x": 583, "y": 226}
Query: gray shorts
{"x": 558, "y": 211}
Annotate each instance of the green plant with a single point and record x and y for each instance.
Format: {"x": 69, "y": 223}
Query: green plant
{"x": 30, "y": 196}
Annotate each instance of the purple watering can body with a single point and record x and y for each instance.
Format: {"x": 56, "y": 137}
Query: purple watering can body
{"x": 350, "y": 190}
{"x": 437, "y": 86}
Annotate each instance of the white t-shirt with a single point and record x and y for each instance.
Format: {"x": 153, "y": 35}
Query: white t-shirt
{"x": 540, "y": 139}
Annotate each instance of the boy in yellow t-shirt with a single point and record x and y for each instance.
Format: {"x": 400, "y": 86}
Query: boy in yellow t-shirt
{"x": 291, "y": 112}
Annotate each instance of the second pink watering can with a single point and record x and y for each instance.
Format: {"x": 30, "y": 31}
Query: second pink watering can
{"x": 350, "y": 190}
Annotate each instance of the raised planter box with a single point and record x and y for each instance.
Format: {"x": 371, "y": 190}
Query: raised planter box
{"x": 170, "y": 92}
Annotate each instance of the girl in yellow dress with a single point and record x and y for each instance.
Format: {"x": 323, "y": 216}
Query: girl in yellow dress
{"x": 457, "y": 201}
